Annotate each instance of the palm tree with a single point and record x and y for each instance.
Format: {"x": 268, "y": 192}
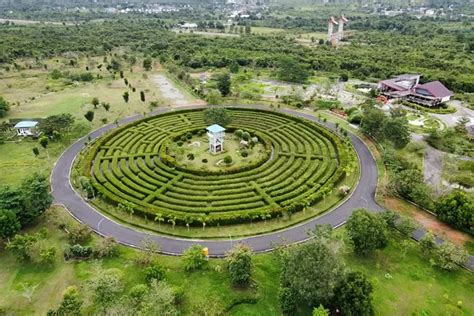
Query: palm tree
{"x": 172, "y": 220}
{"x": 159, "y": 218}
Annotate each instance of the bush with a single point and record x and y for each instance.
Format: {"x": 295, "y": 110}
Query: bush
{"x": 179, "y": 143}
{"x": 77, "y": 252}
{"x": 239, "y": 264}
{"x": 244, "y": 153}
{"x": 204, "y": 160}
{"x": 194, "y": 258}
{"x": 154, "y": 272}
{"x": 366, "y": 231}
{"x": 79, "y": 234}
{"x": 288, "y": 300}
{"x": 228, "y": 159}
{"x": 189, "y": 135}
{"x": 449, "y": 257}
{"x": 107, "y": 248}
{"x": 239, "y": 133}
{"x": 245, "y": 136}
{"x": 190, "y": 156}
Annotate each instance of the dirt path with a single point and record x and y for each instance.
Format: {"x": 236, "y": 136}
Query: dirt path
{"x": 433, "y": 168}
{"x": 429, "y": 222}
{"x": 172, "y": 94}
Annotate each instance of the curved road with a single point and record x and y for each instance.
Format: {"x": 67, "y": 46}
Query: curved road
{"x": 64, "y": 194}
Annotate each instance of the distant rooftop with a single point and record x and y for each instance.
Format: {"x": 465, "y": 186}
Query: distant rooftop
{"x": 26, "y": 124}
{"x": 215, "y": 128}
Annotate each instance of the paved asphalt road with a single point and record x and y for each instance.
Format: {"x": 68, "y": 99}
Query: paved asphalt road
{"x": 63, "y": 193}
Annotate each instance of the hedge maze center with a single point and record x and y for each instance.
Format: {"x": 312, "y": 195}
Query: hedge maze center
{"x": 161, "y": 169}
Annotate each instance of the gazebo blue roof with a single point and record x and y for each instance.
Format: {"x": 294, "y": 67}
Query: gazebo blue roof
{"x": 215, "y": 128}
{"x": 26, "y": 124}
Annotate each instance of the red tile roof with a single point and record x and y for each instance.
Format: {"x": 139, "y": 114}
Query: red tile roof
{"x": 436, "y": 88}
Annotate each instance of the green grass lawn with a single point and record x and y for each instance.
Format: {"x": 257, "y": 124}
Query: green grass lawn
{"x": 404, "y": 284}
{"x": 198, "y": 147}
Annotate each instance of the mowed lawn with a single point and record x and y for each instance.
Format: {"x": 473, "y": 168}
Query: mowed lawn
{"x": 404, "y": 284}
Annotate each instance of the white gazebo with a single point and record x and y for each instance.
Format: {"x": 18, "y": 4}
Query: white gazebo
{"x": 216, "y": 138}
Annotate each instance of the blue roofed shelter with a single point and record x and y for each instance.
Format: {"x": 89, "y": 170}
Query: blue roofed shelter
{"x": 26, "y": 128}
{"x": 216, "y": 135}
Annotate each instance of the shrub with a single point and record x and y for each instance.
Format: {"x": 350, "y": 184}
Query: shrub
{"x": 239, "y": 264}
{"x": 244, "y": 153}
{"x": 183, "y": 138}
{"x": 204, "y": 160}
{"x": 154, "y": 272}
{"x": 189, "y": 135}
{"x": 194, "y": 258}
{"x": 245, "y": 136}
{"x": 239, "y": 133}
{"x": 78, "y": 252}
{"x": 449, "y": 257}
{"x": 366, "y": 231}
{"x": 179, "y": 143}
{"x": 107, "y": 248}
{"x": 228, "y": 159}
{"x": 190, "y": 156}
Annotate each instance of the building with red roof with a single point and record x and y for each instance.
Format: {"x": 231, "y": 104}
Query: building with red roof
{"x": 408, "y": 87}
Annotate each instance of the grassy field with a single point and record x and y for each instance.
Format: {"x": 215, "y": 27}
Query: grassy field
{"x": 404, "y": 282}
{"x": 33, "y": 94}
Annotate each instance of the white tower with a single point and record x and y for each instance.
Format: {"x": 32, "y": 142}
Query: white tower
{"x": 340, "y": 31}
{"x": 331, "y": 23}
{"x": 216, "y": 138}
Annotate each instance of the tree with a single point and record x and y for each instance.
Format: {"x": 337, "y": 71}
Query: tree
{"x": 9, "y": 224}
{"x": 353, "y": 295}
{"x": 89, "y": 116}
{"x": 95, "y": 102}
{"x": 70, "y": 305}
{"x": 147, "y": 63}
{"x": 248, "y": 30}
{"x": 21, "y": 246}
{"x": 457, "y": 209}
{"x": 142, "y": 96}
{"x": 56, "y": 123}
{"x": 44, "y": 141}
{"x": 310, "y": 273}
{"x": 194, "y": 258}
{"x": 372, "y": 122}
{"x": 289, "y": 69}
{"x": 35, "y": 198}
{"x": 217, "y": 116}
{"x": 106, "y": 106}
{"x": 449, "y": 257}
{"x": 396, "y": 130}
{"x": 427, "y": 243}
{"x": 105, "y": 287}
{"x": 36, "y": 151}
{"x": 234, "y": 67}
{"x": 239, "y": 264}
{"x": 223, "y": 84}
{"x": 366, "y": 231}
{"x": 4, "y": 107}
{"x": 126, "y": 96}
{"x": 159, "y": 300}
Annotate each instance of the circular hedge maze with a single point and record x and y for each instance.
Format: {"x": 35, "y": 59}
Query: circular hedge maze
{"x": 130, "y": 167}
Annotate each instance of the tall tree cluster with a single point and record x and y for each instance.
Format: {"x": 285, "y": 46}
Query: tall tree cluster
{"x": 21, "y": 206}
